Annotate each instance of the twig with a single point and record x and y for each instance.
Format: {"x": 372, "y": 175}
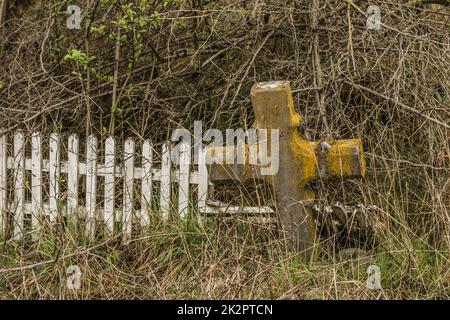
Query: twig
{"x": 400, "y": 104}
{"x": 423, "y": 2}
{"x": 115, "y": 83}
{"x": 249, "y": 65}
{"x": 318, "y": 74}
{"x": 42, "y": 263}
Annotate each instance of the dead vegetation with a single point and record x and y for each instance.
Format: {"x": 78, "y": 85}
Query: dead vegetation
{"x": 173, "y": 62}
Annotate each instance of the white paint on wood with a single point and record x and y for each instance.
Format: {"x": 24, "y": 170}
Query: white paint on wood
{"x": 19, "y": 190}
{"x": 3, "y": 183}
{"x": 203, "y": 180}
{"x": 72, "y": 174}
{"x": 165, "y": 189}
{"x": 128, "y": 188}
{"x": 54, "y": 175}
{"x": 183, "y": 190}
{"x": 218, "y": 207}
{"x": 147, "y": 178}
{"x": 91, "y": 184}
{"x": 183, "y": 176}
{"x": 109, "y": 169}
{"x": 36, "y": 179}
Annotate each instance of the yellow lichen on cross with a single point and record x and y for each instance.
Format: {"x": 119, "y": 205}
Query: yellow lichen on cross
{"x": 300, "y": 161}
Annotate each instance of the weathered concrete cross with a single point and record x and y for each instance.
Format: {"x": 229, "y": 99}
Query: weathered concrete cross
{"x": 300, "y": 162}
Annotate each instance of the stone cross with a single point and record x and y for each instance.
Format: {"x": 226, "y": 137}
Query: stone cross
{"x": 300, "y": 162}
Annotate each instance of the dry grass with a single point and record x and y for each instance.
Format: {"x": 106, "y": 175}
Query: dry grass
{"x": 389, "y": 87}
{"x": 225, "y": 260}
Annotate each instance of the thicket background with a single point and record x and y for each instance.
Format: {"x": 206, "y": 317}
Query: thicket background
{"x": 143, "y": 68}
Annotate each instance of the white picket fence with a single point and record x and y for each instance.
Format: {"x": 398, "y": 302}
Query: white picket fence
{"x": 14, "y": 207}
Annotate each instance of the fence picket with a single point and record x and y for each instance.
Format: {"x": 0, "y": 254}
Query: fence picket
{"x": 147, "y": 177}
{"x": 36, "y": 178}
{"x": 110, "y": 169}
{"x": 72, "y": 174}
{"x": 128, "y": 187}
{"x": 202, "y": 179}
{"x": 54, "y": 175}
{"x": 183, "y": 192}
{"x": 91, "y": 185}
{"x": 165, "y": 189}
{"x": 19, "y": 190}
{"x": 3, "y": 184}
